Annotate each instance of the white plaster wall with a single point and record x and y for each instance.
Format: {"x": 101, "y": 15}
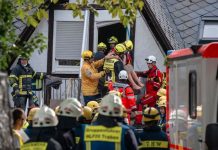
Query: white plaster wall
{"x": 39, "y": 61}
{"x": 146, "y": 45}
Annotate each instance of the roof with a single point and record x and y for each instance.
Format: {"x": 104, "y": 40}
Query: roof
{"x": 206, "y": 51}
{"x": 180, "y": 19}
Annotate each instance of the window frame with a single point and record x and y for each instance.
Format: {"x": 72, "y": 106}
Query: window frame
{"x": 203, "y": 40}
{"x": 63, "y": 15}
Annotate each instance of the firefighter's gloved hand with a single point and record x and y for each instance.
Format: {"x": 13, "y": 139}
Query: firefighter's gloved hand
{"x": 35, "y": 100}
{"x": 107, "y": 70}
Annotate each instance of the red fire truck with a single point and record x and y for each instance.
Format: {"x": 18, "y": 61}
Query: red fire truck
{"x": 192, "y": 97}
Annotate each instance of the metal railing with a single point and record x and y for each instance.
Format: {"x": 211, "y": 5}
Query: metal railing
{"x": 70, "y": 87}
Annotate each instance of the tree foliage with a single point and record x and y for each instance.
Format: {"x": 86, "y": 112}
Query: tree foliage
{"x": 32, "y": 11}
{"x": 126, "y": 10}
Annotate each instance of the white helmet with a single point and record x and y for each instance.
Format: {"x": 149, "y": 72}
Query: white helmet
{"x": 123, "y": 75}
{"x": 151, "y": 59}
{"x": 70, "y": 107}
{"x": 45, "y": 117}
{"x": 111, "y": 105}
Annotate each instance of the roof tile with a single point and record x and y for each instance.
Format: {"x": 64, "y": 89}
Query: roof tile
{"x": 171, "y": 2}
{"x": 179, "y": 6}
{"x": 178, "y": 21}
{"x": 193, "y": 15}
{"x": 177, "y": 14}
{"x": 182, "y": 27}
{"x": 201, "y": 11}
{"x": 185, "y": 10}
{"x": 190, "y": 23}
{"x": 210, "y": 8}
{"x": 202, "y": 4}
{"x": 186, "y": 18}
{"x": 194, "y": 7}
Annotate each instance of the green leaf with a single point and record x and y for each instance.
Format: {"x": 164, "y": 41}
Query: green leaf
{"x": 54, "y": 1}
{"x": 141, "y": 5}
{"x": 21, "y": 14}
{"x": 32, "y": 21}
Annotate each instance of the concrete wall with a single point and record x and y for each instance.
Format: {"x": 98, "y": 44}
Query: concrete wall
{"x": 145, "y": 45}
{"x": 39, "y": 61}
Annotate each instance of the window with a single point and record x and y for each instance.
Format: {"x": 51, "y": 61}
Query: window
{"x": 67, "y": 42}
{"x": 208, "y": 30}
{"x": 193, "y": 94}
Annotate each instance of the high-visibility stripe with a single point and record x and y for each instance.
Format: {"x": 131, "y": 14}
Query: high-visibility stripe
{"x": 13, "y": 76}
{"x": 34, "y": 74}
{"x": 77, "y": 140}
{"x": 154, "y": 144}
{"x": 117, "y": 146}
{"x": 25, "y": 76}
{"x": 130, "y": 97}
{"x": 41, "y": 76}
{"x": 15, "y": 84}
{"x": 88, "y": 145}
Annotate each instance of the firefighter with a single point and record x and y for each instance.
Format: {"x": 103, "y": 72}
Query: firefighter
{"x": 107, "y": 133}
{"x": 127, "y": 96}
{"x": 152, "y": 137}
{"x": 90, "y": 76}
{"x": 94, "y": 106}
{"x": 112, "y": 41}
{"x": 21, "y": 81}
{"x": 68, "y": 127}
{"x": 127, "y": 60}
{"x": 161, "y": 92}
{"x": 113, "y": 66}
{"x": 44, "y": 129}
{"x": 30, "y": 116}
{"x": 18, "y": 121}
{"x": 153, "y": 82}
{"x": 162, "y": 108}
{"x": 87, "y": 116}
{"x": 101, "y": 49}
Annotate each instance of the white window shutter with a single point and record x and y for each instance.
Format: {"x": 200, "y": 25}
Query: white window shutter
{"x": 69, "y": 35}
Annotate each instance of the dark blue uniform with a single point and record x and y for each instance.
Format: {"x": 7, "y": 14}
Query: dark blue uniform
{"x": 153, "y": 138}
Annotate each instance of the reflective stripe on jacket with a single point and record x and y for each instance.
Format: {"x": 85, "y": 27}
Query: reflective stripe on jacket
{"x": 109, "y": 64}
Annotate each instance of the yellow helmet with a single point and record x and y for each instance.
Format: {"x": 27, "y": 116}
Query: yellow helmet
{"x": 113, "y": 40}
{"x": 128, "y": 44}
{"x": 162, "y": 103}
{"x": 162, "y": 98}
{"x": 117, "y": 93}
{"x": 32, "y": 113}
{"x": 161, "y": 92}
{"x": 92, "y": 104}
{"x": 87, "y": 54}
{"x": 56, "y": 109}
{"x": 87, "y": 113}
{"x": 151, "y": 114}
{"x": 120, "y": 48}
{"x": 102, "y": 46}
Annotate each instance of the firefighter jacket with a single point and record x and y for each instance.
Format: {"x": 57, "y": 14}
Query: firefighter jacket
{"x": 43, "y": 139}
{"x": 90, "y": 77}
{"x": 153, "y": 83}
{"x": 127, "y": 95}
{"x": 114, "y": 66}
{"x": 21, "y": 79}
{"x": 138, "y": 117}
{"x": 99, "y": 137}
{"x": 153, "y": 138}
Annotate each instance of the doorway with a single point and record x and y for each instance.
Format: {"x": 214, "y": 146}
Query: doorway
{"x": 116, "y": 29}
